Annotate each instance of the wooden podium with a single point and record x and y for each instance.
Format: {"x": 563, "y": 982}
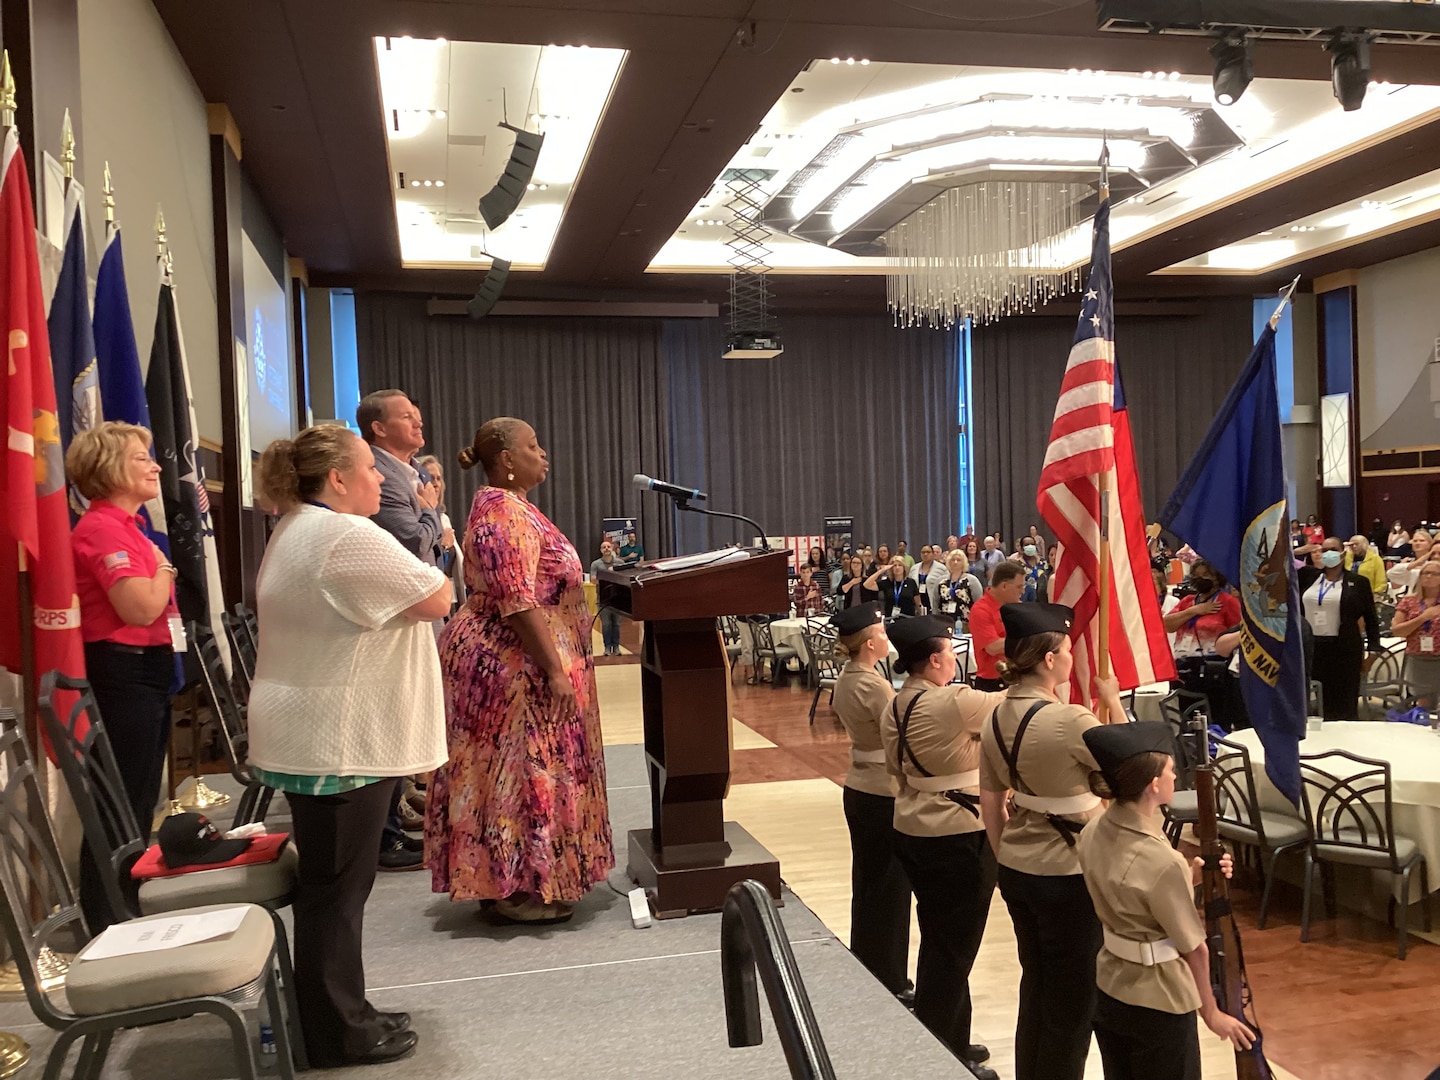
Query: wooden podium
{"x": 690, "y": 856}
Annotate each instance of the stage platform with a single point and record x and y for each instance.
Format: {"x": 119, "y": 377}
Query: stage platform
{"x": 593, "y": 999}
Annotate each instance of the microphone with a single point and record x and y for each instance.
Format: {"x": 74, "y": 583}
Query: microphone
{"x": 649, "y": 483}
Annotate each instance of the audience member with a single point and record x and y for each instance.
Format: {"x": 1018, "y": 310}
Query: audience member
{"x": 1168, "y": 602}
{"x": 1336, "y": 602}
{"x": 959, "y": 543}
{"x": 819, "y": 569}
{"x": 898, "y": 593}
{"x": 409, "y": 511}
{"x": 1035, "y": 569}
{"x": 1398, "y": 542}
{"x": 1417, "y": 620}
{"x": 853, "y": 589}
{"x": 871, "y": 565}
{"x": 1200, "y": 618}
{"x": 932, "y": 748}
{"x": 1361, "y": 557}
{"x": 128, "y": 619}
{"x": 958, "y": 589}
{"x": 1034, "y": 799}
{"x": 992, "y": 556}
{"x": 879, "y": 889}
{"x": 1314, "y": 534}
{"x": 1405, "y": 573}
{"x": 929, "y": 575}
{"x": 806, "y": 595}
{"x": 449, "y": 559}
{"x": 609, "y": 618}
{"x": 1046, "y": 588}
{"x": 972, "y": 555}
{"x": 987, "y": 629}
{"x": 903, "y": 550}
{"x": 346, "y": 701}
{"x": 518, "y": 815}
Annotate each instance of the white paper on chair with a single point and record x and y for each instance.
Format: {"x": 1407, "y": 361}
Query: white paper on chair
{"x": 153, "y": 935}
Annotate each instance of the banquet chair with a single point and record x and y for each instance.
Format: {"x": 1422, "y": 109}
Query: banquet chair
{"x": 1383, "y": 686}
{"x": 1241, "y": 820}
{"x": 224, "y": 977}
{"x": 254, "y": 801}
{"x": 1385, "y": 615}
{"x": 241, "y": 650}
{"x": 729, "y": 628}
{"x": 1349, "y": 808}
{"x": 824, "y": 664}
{"x": 1315, "y": 706}
{"x": 92, "y": 777}
{"x": 961, "y": 647}
{"x": 251, "y": 625}
{"x": 1178, "y": 709}
{"x": 764, "y": 648}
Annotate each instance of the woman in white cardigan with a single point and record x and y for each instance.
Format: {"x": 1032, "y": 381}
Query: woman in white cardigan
{"x": 347, "y": 695}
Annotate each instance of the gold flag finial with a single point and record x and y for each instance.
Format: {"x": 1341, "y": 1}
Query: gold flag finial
{"x": 67, "y": 147}
{"x": 7, "y": 91}
{"x": 109, "y": 196}
{"x": 161, "y": 243}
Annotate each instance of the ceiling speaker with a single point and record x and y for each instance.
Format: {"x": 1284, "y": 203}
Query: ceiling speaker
{"x": 500, "y": 201}
{"x": 490, "y": 289}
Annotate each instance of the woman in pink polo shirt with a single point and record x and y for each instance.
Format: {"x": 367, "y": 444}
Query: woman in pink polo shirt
{"x": 127, "y": 617}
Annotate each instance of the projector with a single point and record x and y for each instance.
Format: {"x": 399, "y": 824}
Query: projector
{"x": 752, "y": 345}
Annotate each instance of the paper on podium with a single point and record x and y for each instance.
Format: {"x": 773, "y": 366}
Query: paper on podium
{"x": 153, "y": 935}
{"x": 704, "y": 558}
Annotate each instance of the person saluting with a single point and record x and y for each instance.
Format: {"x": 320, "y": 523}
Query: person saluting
{"x": 1153, "y": 973}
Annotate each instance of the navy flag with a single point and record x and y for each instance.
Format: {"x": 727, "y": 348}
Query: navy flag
{"x": 72, "y": 339}
{"x": 122, "y": 390}
{"x": 1230, "y": 507}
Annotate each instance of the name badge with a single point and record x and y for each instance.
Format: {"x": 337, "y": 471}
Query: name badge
{"x": 1427, "y": 643}
{"x": 177, "y": 634}
{"x": 1324, "y": 623}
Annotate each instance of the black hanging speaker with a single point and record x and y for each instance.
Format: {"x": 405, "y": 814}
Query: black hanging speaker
{"x": 490, "y": 289}
{"x": 500, "y": 201}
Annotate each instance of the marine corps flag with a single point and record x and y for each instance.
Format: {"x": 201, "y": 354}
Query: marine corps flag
{"x": 1230, "y": 507}
{"x": 35, "y": 525}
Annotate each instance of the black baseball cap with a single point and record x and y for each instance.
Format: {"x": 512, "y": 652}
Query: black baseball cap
{"x": 193, "y": 840}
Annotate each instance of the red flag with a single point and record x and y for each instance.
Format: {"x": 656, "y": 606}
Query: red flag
{"x": 32, "y": 484}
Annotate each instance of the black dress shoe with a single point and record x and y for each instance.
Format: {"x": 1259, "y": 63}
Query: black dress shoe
{"x": 974, "y": 1052}
{"x": 981, "y": 1072}
{"x": 398, "y": 857}
{"x": 394, "y": 1021}
{"x": 414, "y": 843}
{"x": 392, "y": 1047}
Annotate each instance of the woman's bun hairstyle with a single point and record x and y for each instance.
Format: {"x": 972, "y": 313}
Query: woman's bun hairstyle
{"x": 293, "y": 470}
{"x": 278, "y": 482}
{"x": 1127, "y": 779}
{"x": 467, "y": 457}
{"x": 1030, "y": 653}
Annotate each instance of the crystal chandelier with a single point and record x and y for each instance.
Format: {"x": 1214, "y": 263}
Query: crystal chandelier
{"x": 984, "y": 251}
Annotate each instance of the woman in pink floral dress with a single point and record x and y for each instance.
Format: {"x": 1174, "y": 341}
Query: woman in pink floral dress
{"x": 518, "y": 815}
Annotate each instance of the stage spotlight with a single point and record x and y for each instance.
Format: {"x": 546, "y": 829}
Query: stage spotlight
{"x": 1349, "y": 68}
{"x": 490, "y": 289}
{"x": 501, "y": 200}
{"x": 1234, "y": 68}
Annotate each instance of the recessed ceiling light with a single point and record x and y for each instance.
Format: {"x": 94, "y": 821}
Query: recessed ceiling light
{"x": 414, "y": 183}
{"x": 439, "y": 183}
{"x": 864, "y": 63}
{"x": 834, "y": 59}
{"x": 439, "y": 114}
{"x": 529, "y": 187}
{"x": 850, "y": 60}
{"x": 428, "y": 183}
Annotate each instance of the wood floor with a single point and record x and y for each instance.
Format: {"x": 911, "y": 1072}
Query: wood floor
{"x": 1340, "y": 1006}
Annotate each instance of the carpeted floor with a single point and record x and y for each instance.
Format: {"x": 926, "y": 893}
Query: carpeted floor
{"x": 594, "y": 998}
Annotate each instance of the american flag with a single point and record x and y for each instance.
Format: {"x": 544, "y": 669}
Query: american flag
{"x": 1090, "y": 438}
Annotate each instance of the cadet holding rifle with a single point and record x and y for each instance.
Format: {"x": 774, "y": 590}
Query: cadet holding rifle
{"x": 1153, "y": 972}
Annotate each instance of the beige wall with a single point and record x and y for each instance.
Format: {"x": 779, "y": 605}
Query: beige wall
{"x": 1399, "y": 328}
{"x": 143, "y": 112}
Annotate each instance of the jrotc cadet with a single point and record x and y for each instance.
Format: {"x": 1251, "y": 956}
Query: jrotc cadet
{"x": 1035, "y": 792}
{"x": 932, "y": 747}
{"x": 879, "y": 889}
{"x": 1154, "y": 970}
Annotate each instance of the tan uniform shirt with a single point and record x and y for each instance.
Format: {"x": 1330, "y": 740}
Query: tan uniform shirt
{"x": 944, "y": 734}
{"x": 1054, "y": 762}
{"x": 1141, "y": 889}
{"x": 862, "y": 696}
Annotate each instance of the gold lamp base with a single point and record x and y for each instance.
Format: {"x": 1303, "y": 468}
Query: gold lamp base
{"x": 194, "y": 794}
{"x": 14, "y": 1054}
{"x": 53, "y": 967}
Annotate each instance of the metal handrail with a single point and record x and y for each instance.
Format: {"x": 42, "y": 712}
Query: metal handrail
{"x": 751, "y": 936}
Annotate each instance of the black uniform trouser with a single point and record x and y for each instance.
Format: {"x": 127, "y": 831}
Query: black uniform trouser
{"x": 1137, "y": 1043}
{"x": 879, "y": 890}
{"x": 1057, "y": 936}
{"x": 132, "y": 690}
{"x": 1337, "y": 667}
{"x": 337, "y": 836}
{"x": 953, "y": 878}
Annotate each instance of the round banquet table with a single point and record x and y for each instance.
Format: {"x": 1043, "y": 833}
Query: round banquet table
{"x": 1414, "y": 756}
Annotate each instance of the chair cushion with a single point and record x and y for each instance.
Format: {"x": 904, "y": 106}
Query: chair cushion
{"x": 1405, "y": 849}
{"x": 1183, "y": 807}
{"x": 254, "y": 883}
{"x": 206, "y": 968}
{"x": 1280, "y": 830}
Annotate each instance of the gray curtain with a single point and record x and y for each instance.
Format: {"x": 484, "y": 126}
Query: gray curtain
{"x": 594, "y": 389}
{"x": 1176, "y": 372}
{"x": 857, "y": 418}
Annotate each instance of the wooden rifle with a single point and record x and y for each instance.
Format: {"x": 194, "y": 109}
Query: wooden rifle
{"x": 1227, "y": 963}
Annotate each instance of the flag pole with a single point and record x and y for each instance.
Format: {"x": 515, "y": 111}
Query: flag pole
{"x": 1285, "y": 295}
{"x": 1103, "y": 483}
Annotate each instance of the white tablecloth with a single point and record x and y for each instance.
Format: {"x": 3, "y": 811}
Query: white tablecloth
{"x": 1414, "y": 756}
